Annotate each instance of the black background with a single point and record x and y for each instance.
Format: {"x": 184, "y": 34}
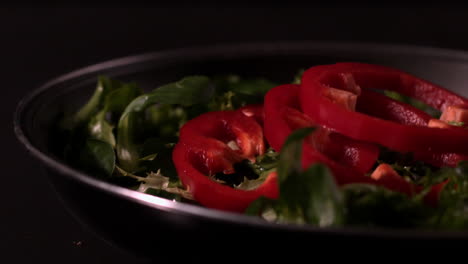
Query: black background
{"x": 40, "y": 42}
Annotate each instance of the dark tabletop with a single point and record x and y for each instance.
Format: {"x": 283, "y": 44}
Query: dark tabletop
{"x": 37, "y": 44}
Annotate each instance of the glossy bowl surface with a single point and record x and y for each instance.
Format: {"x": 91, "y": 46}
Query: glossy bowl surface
{"x": 149, "y": 225}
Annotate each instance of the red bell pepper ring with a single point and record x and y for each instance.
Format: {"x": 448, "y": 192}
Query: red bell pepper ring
{"x": 227, "y": 127}
{"x": 204, "y": 149}
{"x": 383, "y": 107}
{"x": 282, "y": 117}
{"x": 360, "y": 126}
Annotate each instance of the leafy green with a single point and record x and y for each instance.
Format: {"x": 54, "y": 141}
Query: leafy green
{"x": 257, "y": 207}
{"x": 109, "y": 95}
{"x": 109, "y": 99}
{"x": 372, "y": 206}
{"x": 238, "y": 85}
{"x": 257, "y": 87}
{"x": 291, "y": 152}
{"x": 161, "y": 150}
{"x": 90, "y": 133}
{"x": 233, "y": 92}
{"x": 97, "y": 158}
{"x": 309, "y": 196}
{"x": 314, "y": 195}
{"x": 188, "y": 91}
{"x": 264, "y": 208}
{"x": 265, "y": 163}
{"x": 100, "y": 128}
{"x": 165, "y": 120}
{"x": 96, "y": 101}
{"x": 120, "y": 96}
{"x": 453, "y": 203}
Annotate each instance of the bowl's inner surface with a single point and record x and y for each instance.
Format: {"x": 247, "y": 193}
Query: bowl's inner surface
{"x": 40, "y": 118}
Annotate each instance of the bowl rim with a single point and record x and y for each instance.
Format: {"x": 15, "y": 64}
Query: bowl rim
{"x": 201, "y": 51}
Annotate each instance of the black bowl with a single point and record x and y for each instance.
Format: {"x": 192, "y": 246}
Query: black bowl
{"x": 153, "y": 226}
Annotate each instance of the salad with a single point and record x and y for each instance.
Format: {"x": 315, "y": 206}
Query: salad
{"x": 345, "y": 144}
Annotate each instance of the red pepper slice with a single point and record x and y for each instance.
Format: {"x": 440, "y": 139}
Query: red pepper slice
{"x": 393, "y": 135}
{"x": 386, "y": 108}
{"x": 203, "y": 149}
{"x": 282, "y": 117}
{"x": 381, "y": 106}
